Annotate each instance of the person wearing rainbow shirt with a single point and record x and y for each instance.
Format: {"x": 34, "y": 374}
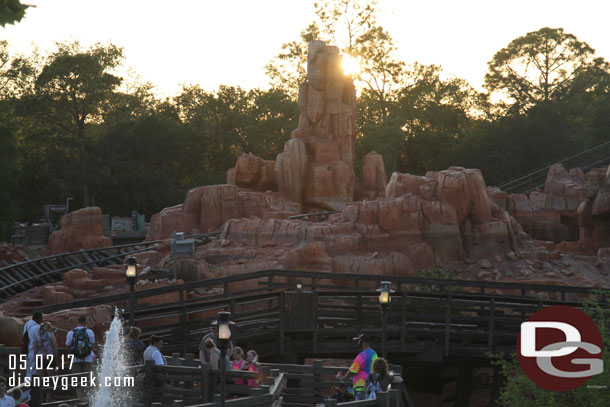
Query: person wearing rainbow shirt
{"x": 361, "y": 366}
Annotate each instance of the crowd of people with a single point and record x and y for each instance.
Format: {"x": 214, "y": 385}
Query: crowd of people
{"x": 369, "y": 374}
{"x": 39, "y": 343}
{"x": 138, "y": 353}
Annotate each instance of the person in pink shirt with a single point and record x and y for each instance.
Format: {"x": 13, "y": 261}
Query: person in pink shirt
{"x": 251, "y": 365}
{"x": 238, "y": 363}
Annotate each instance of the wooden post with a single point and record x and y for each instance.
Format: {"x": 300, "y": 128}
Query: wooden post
{"x": 282, "y": 316}
{"x": 384, "y": 399}
{"x": 315, "y": 322}
{"x": 176, "y": 361}
{"x": 149, "y": 381}
{"x": 36, "y": 392}
{"x": 394, "y": 397}
{"x": 464, "y": 382}
{"x": 330, "y": 402}
{"x": 189, "y": 360}
{"x": 448, "y": 325}
{"x": 359, "y": 312}
{"x": 490, "y": 339}
{"x": 183, "y": 323}
{"x": 206, "y": 393}
{"x": 403, "y": 323}
{"x": 317, "y": 380}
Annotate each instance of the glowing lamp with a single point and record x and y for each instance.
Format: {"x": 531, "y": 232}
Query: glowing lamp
{"x": 131, "y": 270}
{"x": 384, "y": 293}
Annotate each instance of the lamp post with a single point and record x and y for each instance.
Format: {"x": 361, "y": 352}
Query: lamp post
{"x": 384, "y": 302}
{"x": 224, "y": 336}
{"x": 131, "y": 272}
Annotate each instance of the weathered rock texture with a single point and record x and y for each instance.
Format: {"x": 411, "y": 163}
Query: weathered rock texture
{"x": 10, "y": 253}
{"x": 551, "y": 214}
{"x": 207, "y": 208}
{"x": 316, "y": 168}
{"x": 372, "y": 182}
{"x": 422, "y": 222}
{"x": 81, "y": 229}
{"x": 254, "y": 173}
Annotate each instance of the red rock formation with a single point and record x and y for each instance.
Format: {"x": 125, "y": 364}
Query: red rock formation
{"x": 451, "y": 220}
{"x": 254, "y": 173}
{"x": 207, "y": 208}
{"x": 317, "y": 165}
{"x": 552, "y": 214}
{"x": 373, "y": 178}
{"x": 81, "y": 229}
{"x": 12, "y": 330}
{"x": 10, "y": 253}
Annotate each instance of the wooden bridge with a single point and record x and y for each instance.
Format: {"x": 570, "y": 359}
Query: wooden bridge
{"x": 430, "y": 321}
{"x": 188, "y": 382}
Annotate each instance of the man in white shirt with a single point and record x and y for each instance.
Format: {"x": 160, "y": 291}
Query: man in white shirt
{"x": 80, "y": 342}
{"x": 33, "y": 328}
{"x": 153, "y": 352}
{"x": 5, "y": 399}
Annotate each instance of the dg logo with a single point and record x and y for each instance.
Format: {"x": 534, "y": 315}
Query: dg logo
{"x": 560, "y": 348}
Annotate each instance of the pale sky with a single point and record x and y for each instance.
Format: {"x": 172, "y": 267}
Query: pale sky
{"x": 213, "y": 42}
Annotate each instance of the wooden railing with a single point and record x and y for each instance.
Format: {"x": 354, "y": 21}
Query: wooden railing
{"x": 297, "y": 384}
{"x": 200, "y": 386}
{"x": 316, "y": 281}
{"x": 466, "y": 317}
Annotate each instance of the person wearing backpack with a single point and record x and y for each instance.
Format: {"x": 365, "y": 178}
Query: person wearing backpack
{"x": 80, "y": 343}
{"x": 31, "y": 330}
{"x": 46, "y": 345}
{"x": 380, "y": 379}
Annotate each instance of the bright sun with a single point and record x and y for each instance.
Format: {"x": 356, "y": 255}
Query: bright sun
{"x": 350, "y": 65}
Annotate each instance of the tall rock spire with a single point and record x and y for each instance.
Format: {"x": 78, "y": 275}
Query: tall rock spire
{"x": 317, "y": 165}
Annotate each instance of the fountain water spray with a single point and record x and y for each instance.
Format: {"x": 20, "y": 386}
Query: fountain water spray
{"x": 112, "y": 371}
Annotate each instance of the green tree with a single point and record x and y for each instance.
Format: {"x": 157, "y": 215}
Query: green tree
{"x": 352, "y": 26}
{"x": 231, "y": 121}
{"x": 289, "y": 68}
{"x": 425, "y": 125}
{"x": 541, "y": 66}
{"x": 12, "y": 11}
{"x": 8, "y": 170}
{"x": 72, "y": 91}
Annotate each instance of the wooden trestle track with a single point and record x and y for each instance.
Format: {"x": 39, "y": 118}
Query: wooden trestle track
{"x": 21, "y": 276}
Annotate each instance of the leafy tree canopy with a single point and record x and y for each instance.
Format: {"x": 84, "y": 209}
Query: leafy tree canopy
{"x": 540, "y": 66}
{"x": 12, "y": 11}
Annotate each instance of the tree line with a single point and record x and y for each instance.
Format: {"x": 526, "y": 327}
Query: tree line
{"x": 70, "y": 126}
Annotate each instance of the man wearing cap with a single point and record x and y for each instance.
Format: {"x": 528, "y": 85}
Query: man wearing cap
{"x": 361, "y": 366}
{"x": 213, "y": 335}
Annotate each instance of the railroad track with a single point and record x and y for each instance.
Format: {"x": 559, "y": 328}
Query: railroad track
{"x": 21, "y": 276}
